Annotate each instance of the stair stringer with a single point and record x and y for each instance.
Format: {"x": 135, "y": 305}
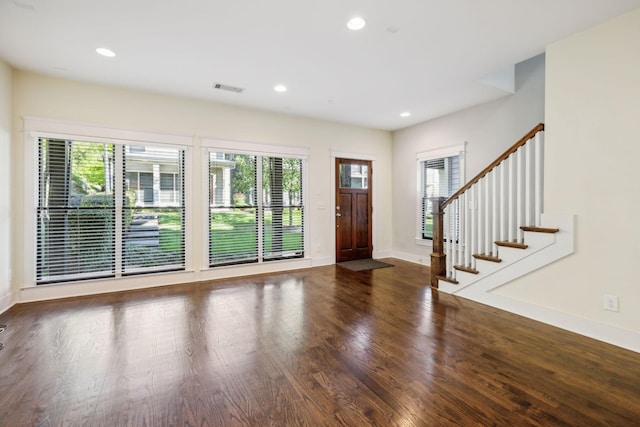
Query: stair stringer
{"x": 543, "y": 250}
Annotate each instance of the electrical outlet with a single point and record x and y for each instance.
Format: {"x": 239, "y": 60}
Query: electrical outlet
{"x": 610, "y": 302}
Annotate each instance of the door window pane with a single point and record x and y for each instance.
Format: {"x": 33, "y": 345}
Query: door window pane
{"x": 354, "y": 176}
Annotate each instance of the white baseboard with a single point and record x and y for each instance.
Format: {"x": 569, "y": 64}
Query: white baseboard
{"x": 95, "y": 287}
{"x": 7, "y": 301}
{"x": 381, "y": 254}
{"x": 253, "y": 269}
{"x": 599, "y": 331}
{"x": 416, "y": 259}
{"x": 321, "y": 261}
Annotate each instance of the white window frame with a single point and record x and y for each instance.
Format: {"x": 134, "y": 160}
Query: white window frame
{"x": 457, "y": 150}
{"x": 35, "y": 128}
{"x": 267, "y": 150}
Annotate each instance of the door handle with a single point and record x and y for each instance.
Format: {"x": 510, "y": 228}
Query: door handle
{"x": 338, "y": 214}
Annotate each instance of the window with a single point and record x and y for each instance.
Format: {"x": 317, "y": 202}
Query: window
{"x": 439, "y": 176}
{"x": 281, "y": 208}
{"x": 154, "y": 214}
{"x": 255, "y": 208}
{"x": 105, "y": 210}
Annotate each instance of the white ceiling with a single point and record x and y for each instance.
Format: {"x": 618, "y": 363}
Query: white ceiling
{"x": 430, "y": 63}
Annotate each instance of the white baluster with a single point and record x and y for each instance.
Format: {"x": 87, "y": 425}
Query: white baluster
{"x": 460, "y": 235}
{"x": 539, "y": 158}
{"x": 454, "y": 234}
{"x": 450, "y": 238}
{"x": 450, "y": 242}
{"x": 521, "y": 175}
{"x": 480, "y": 199}
{"x": 496, "y": 208}
{"x": 468, "y": 228}
{"x": 473, "y": 232}
{"x": 513, "y": 203}
{"x": 488, "y": 203}
{"x": 530, "y": 182}
{"x": 504, "y": 200}
{"x": 456, "y": 223}
{"x": 527, "y": 181}
{"x": 445, "y": 236}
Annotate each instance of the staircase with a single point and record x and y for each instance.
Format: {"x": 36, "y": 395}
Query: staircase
{"x": 493, "y": 229}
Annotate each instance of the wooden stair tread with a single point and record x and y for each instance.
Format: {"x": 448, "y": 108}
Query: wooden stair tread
{"x": 487, "y": 257}
{"x": 515, "y": 245}
{"x": 466, "y": 269}
{"x": 447, "y": 279}
{"x": 540, "y": 229}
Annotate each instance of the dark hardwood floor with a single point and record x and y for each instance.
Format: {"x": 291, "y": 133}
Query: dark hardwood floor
{"x": 318, "y": 347}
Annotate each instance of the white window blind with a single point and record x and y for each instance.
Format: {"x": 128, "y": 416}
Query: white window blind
{"x": 153, "y": 209}
{"x": 102, "y": 211}
{"x": 233, "y": 210}
{"x": 247, "y": 225}
{"x": 440, "y": 178}
{"x": 76, "y": 210}
{"x": 282, "y": 209}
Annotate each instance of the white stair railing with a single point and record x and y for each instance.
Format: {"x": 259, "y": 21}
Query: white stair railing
{"x": 491, "y": 207}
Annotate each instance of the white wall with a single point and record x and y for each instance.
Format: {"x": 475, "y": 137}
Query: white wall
{"x": 592, "y": 163}
{"x": 6, "y": 82}
{"x": 487, "y": 129}
{"x": 46, "y": 97}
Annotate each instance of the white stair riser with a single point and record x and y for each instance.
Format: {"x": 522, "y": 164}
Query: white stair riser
{"x": 512, "y": 257}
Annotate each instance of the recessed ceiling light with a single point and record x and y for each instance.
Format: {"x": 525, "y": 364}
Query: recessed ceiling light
{"x": 405, "y": 114}
{"x": 105, "y": 52}
{"x": 356, "y": 23}
{"x": 280, "y": 88}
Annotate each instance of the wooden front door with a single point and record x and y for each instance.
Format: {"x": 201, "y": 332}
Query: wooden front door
{"x": 353, "y": 210}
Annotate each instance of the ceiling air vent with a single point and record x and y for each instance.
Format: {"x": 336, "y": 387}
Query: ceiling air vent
{"x": 228, "y": 88}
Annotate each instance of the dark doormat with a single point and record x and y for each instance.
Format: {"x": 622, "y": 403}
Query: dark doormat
{"x": 364, "y": 264}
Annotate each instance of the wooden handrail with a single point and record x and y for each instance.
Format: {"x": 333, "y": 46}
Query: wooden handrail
{"x": 496, "y": 162}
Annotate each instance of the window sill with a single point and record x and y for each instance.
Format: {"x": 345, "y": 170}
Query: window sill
{"x": 424, "y": 242}
{"x": 99, "y": 286}
{"x": 235, "y": 270}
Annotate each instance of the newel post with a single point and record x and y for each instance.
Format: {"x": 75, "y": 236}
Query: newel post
{"x": 438, "y": 257}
